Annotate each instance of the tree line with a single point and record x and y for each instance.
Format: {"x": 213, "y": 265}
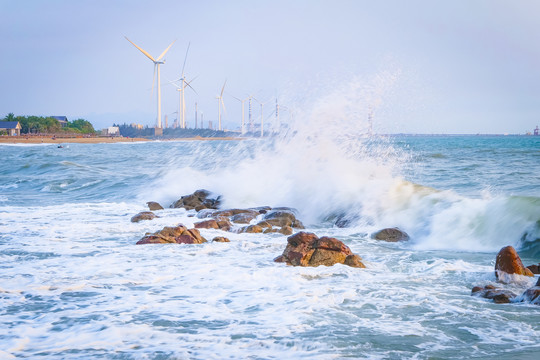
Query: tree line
{"x": 49, "y": 125}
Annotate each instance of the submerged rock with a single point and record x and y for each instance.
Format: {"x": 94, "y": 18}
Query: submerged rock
{"x": 535, "y": 269}
{"x": 390, "y": 235}
{"x": 498, "y": 296}
{"x": 306, "y": 249}
{"x": 220, "y": 239}
{"x": 173, "y": 235}
{"x": 199, "y": 200}
{"x": 509, "y": 262}
{"x": 145, "y": 215}
{"x": 153, "y": 206}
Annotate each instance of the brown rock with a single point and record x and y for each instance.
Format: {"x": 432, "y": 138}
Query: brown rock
{"x": 354, "y": 261}
{"x": 244, "y": 218}
{"x": 508, "y": 261}
{"x": 535, "y": 269}
{"x": 220, "y": 239}
{"x": 224, "y": 225}
{"x": 286, "y": 230}
{"x": 145, "y": 215}
{"x": 498, "y": 296}
{"x": 251, "y": 229}
{"x": 207, "y": 224}
{"x": 153, "y": 206}
{"x": 390, "y": 235}
{"x": 198, "y": 200}
{"x": 532, "y": 295}
{"x": 264, "y": 225}
{"x": 270, "y": 230}
{"x": 306, "y": 249}
{"x": 173, "y": 235}
{"x": 280, "y": 218}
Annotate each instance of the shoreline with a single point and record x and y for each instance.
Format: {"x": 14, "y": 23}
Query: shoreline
{"x": 50, "y": 139}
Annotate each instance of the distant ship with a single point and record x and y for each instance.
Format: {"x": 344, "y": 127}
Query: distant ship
{"x": 536, "y": 131}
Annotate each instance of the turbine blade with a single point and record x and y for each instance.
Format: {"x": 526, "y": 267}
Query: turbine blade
{"x": 223, "y": 88}
{"x": 165, "y": 51}
{"x": 144, "y": 52}
{"x": 185, "y": 58}
{"x": 223, "y": 104}
{"x": 191, "y": 87}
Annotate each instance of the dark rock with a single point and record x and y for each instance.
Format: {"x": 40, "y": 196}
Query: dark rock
{"x": 306, "y": 249}
{"x": 283, "y": 217}
{"x": 220, "y": 239}
{"x": 207, "y": 224}
{"x": 199, "y": 200}
{"x": 262, "y": 209}
{"x": 509, "y": 262}
{"x": 173, "y": 235}
{"x": 535, "y": 269}
{"x": 532, "y": 295}
{"x": 145, "y": 215}
{"x": 153, "y": 206}
{"x": 390, "y": 235}
{"x": 498, "y": 296}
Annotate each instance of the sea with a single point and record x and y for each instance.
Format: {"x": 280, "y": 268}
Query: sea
{"x": 73, "y": 284}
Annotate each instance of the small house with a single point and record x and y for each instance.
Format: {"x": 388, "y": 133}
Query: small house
{"x": 13, "y": 128}
{"x": 63, "y": 120}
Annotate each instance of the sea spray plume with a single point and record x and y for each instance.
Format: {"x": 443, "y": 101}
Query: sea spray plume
{"x": 325, "y": 162}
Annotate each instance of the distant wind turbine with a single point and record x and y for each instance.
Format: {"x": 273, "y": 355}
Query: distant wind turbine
{"x": 181, "y": 89}
{"x": 242, "y": 102}
{"x": 262, "y": 119}
{"x": 156, "y": 62}
{"x": 220, "y": 104}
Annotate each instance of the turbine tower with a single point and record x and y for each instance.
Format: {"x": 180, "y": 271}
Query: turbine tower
{"x": 243, "y": 123}
{"x": 262, "y": 119}
{"x": 156, "y": 62}
{"x": 220, "y": 104}
{"x": 181, "y": 89}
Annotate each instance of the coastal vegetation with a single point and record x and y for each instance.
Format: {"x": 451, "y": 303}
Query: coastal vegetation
{"x": 138, "y": 132}
{"x": 50, "y": 125}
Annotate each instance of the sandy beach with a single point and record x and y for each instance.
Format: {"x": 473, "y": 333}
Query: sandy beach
{"x": 88, "y": 140}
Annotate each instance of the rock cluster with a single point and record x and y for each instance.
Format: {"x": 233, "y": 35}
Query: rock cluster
{"x": 199, "y": 200}
{"x": 507, "y": 263}
{"x": 173, "y": 235}
{"x": 306, "y": 249}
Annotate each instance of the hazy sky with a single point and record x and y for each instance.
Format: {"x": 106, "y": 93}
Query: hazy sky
{"x": 470, "y": 66}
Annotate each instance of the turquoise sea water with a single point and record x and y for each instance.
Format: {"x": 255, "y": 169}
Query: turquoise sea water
{"x": 74, "y": 285}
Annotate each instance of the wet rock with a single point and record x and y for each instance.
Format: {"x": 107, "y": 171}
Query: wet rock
{"x": 262, "y": 209}
{"x": 345, "y": 220}
{"x": 251, "y": 229}
{"x": 283, "y": 217}
{"x": 220, "y": 239}
{"x": 306, "y": 249}
{"x": 390, "y": 235}
{"x": 207, "y": 224}
{"x": 264, "y": 225}
{"x": 532, "y": 295}
{"x": 199, "y": 200}
{"x": 153, "y": 206}
{"x": 145, "y": 215}
{"x": 244, "y": 218}
{"x": 173, "y": 235}
{"x": 535, "y": 269}
{"x": 498, "y": 296}
{"x": 509, "y": 262}
{"x": 286, "y": 230}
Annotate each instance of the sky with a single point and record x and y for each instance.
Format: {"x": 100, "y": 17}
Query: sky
{"x": 421, "y": 66}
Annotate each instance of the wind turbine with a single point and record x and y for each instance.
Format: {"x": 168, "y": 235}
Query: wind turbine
{"x": 182, "y": 88}
{"x": 221, "y": 103}
{"x": 242, "y": 102}
{"x": 182, "y": 106}
{"x": 156, "y": 62}
{"x": 262, "y": 119}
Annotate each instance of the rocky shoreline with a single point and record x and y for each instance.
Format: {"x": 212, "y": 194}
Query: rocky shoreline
{"x": 307, "y": 249}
